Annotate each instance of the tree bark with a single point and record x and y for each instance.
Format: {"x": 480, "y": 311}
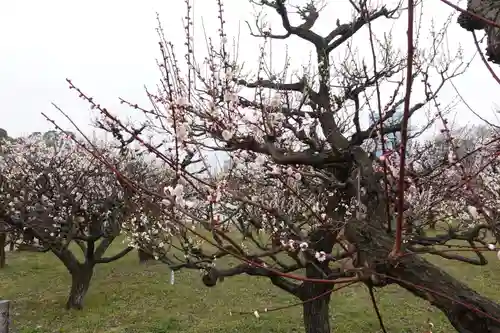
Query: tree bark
{"x": 80, "y": 282}
{"x": 3, "y": 241}
{"x": 467, "y": 311}
{"x": 4, "y": 316}
{"x": 144, "y": 256}
{"x": 81, "y": 274}
{"x": 316, "y": 296}
{"x": 316, "y": 312}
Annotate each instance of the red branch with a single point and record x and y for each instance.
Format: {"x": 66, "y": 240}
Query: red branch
{"x": 404, "y": 133}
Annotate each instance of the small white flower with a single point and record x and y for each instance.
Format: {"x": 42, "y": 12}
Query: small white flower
{"x": 260, "y": 160}
{"x": 230, "y": 97}
{"x": 256, "y": 314}
{"x": 227, "y": 135}
{"x": 473, "y": 212}
{"x": 320, "y": 256}
{"x": 297, "y": 176}
{"x": 451, "y": 157}
{"x": 291, "y": 244}
{"x": 289, "y": 171}
{"x": 178, "y": 190}
{"x": 180, "y": 201}
{"x": 276, "y": 100}
{"x": 303, "y": 246}
{"x": 229, "y": 75}
{"x": 182, "y": 101}
{"x": 491, "y": 247}
{"x": 182, "y": 131}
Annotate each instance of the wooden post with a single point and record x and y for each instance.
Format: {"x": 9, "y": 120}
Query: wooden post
{"x": 4, "y": 316}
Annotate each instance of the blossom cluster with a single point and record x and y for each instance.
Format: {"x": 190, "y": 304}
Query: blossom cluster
{"x": 58, "y": 190}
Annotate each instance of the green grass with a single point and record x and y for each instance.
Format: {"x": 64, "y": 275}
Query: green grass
{"x": 127, "y": 297}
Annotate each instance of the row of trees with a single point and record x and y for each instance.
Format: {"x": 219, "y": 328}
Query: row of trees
{"x": 62, "y": 194}
{"x": 303, "y": 201}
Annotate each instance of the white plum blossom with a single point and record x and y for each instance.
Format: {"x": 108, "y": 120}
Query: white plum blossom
{"x": 230, "y": 97}
{"x": 182, "y": 101}
{"x": 320, "y": 256}
{"x": 182, "y": 131}
{"x": 178, "y": 190}
{"x": 260, "y": 160}
{"x": 276, "y": 100}
{"x": 227, "y": 135}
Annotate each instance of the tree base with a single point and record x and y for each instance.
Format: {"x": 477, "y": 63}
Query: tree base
{"x": 144, "y": 256}
{"x": 80, "y": 282}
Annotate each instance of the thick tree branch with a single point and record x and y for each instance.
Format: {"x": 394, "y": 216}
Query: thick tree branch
{"x": 346, "y": 31}
{"x": 210, "y": 279}
{"x": 283, "y": 156}
{"x": 117, "y": 256}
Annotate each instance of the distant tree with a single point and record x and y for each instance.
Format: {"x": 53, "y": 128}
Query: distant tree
{"x": 3, "y": 134}
{"x": 63, "y": 196}
{"x": 3, "y": 227}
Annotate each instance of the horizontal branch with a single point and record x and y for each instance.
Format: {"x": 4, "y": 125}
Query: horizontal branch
{"x": 117, "y": 256}
{"x": 346, "y": 31}
{"x": 213, "y": 274}
{"x": 285, "y": 157}
{"x": 371, "y": 132}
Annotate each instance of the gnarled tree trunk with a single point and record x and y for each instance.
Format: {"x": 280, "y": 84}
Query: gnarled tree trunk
{"x": 467, "y": 311}
{"x": 81, "y": 274}
{"x": 316, "y": 307}
{"x": 316, "y": 296}
{"x": 80, "y": 282}
{"x": 491, "y": 11}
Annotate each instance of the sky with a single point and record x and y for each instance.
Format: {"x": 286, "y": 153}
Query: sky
{"x": 108, "y": 48}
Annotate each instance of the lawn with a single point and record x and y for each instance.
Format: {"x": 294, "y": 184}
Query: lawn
{"x": 127, "y": 297}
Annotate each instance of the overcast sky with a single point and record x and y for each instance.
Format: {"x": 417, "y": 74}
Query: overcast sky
{"x": 108, "y": 48}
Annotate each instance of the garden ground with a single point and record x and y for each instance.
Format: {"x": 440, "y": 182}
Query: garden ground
{"x": 126, "y": 297}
